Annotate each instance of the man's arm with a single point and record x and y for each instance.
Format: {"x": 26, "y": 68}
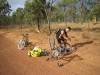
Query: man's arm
{"x": 67, "y": 37}
{"x": 61, "y": 35}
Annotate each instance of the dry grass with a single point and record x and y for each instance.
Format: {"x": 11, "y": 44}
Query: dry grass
{"x": 85, "y": 35}
{"x": 84, "y": 31}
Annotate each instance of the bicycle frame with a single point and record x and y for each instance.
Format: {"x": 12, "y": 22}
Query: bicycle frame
{"x": 57, "y": 51}
{"x": 25, "y": 38}
{"x": 22, "y": 43}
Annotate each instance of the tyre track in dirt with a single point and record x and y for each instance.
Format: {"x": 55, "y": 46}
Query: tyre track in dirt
{"x": 17, "y": 62}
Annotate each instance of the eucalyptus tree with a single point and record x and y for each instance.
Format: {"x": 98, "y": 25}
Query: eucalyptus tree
{"x": 47, "y": 7}
{"x": 4, "y": 12}
{"x": 17, "y": 17}
{"x": 95, "y": 9}
{"x": 69, "y": 9}
{"x": 55, "y": 14}
{"x": 28, "y": 12}
{"x": 20, "y": 16}
{"x": 34, "y": 12}
{"x": 64, "y": 5}
{"x": 81, "y": 10}
{"x": 14, "y": 19}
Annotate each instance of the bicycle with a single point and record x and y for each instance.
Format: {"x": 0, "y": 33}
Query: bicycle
{"x": 22, "y": 43}
{"x": 57, "y": 51}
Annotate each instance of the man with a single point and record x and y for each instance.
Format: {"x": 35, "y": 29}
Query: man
{"x": 60, "y": 35}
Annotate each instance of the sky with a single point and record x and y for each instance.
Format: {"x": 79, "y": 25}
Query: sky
{"x": 16, "y": 3}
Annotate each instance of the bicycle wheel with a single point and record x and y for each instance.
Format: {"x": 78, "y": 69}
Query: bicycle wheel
{"x": 16, "y": 42}
{"x": 51, "y": 42}
{"x": 21, "y": 44}
{"x": 26, "y": 43}
{"x": 72, "y": 49}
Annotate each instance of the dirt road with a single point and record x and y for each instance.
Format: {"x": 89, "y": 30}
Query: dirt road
{"x": 85, "y": 61}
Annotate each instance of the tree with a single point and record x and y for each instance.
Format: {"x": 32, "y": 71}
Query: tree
{"x": 13, "y": 19}
{"x": 34, "y": 11}
{"x": 81, "y": 10}
{"x": 63, "y": 4}
{"x": 17, "y": 17}
{"x": 69, "y": 9}
{"x": 20, "y": 16}
{"x": 28, "y": 12}
{"x": 95, "y": 9}
{"x": 4, "y": 12}
{"x": 47, "y": 6}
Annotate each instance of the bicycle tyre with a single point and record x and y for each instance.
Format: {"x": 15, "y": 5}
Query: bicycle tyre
{"x": 21, "y": 45}
{"x": 26, "y": 43}
{"x": 51, "y": 42}
{"x": 16, "y": 42}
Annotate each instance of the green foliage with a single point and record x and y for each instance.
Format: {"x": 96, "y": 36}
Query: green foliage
{"x": 69, "y": 8}
{"x": 18, "y": 17}
{"x": 85, "y": 9}
{"x": 4, "y": 12}
{"x": 95, "y": 8}
{"x": 37, "y": 11}
{"x": 34, "y": 11}
{"x": 13, "y": 18}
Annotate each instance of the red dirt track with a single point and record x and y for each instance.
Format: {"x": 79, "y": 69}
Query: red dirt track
{"x": 85, "y": 61}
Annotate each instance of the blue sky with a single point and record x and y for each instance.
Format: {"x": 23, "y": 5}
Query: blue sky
{"x": 16, "y": 3}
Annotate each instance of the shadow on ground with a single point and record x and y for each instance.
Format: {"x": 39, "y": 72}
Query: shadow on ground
{"x": 71, "y": 58}
{"x": 77, "y": 45}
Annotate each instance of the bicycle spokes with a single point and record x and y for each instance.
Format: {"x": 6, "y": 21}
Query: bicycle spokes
{"x": 21, "y": 44}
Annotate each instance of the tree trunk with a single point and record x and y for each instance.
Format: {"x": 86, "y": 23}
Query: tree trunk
{"x": 73, "y": 17}
{"x": 81, "y": 18}
{"x": 81, "y": 8}
{"x": 38, "y": 20}
{"x": 48, "y": 19}
{"x": 88, "y": 24}
{"x": 0, "y": 25}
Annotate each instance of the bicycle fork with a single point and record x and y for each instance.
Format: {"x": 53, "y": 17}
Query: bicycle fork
{"x": 56, "y": 54}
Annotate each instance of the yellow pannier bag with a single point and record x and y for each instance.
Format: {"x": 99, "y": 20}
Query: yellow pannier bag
{"x": 33, "y": 53}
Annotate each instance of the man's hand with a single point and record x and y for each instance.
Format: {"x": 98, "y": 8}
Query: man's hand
{"x": 65, "y": 40}
{"x": 62, "y": 38}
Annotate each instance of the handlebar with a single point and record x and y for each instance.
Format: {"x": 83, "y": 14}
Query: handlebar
{"x": 25, "y": 35}
{"x": 65, "y": 43}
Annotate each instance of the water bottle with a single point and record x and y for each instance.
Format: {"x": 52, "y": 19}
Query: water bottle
{"x": 35, "y": 49}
